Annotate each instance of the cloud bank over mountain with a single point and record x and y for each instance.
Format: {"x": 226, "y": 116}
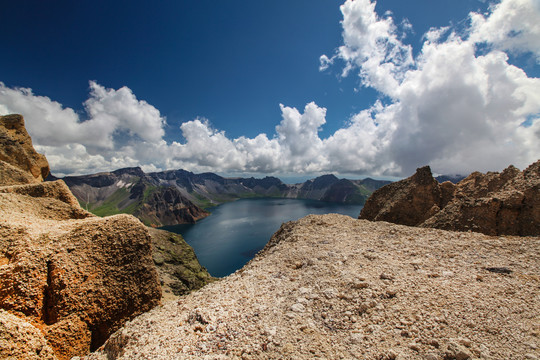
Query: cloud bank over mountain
{"x": 458, "y": 105}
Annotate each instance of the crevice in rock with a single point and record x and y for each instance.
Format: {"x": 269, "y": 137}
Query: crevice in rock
{"x": 47, "y": 313}
{"x": 99, "y": 335}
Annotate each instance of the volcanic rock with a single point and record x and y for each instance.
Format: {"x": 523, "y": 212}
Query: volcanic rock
{"x": 317, "y": 291}
{"x": 16, "y": 149}
{"x": 407, "y": 202}
{"x": 77, "y": 275}
{"x": 68, "y": 279}
{"x": 21, "y": 340}
{"x": 492, "y": 203}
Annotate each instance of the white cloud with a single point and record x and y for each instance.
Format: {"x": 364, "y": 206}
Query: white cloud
{"x": 513, "y": 25}
{"x": 117, "y": 128}
{"x": 373, "y": 45}
{"x": 450, "y": 107}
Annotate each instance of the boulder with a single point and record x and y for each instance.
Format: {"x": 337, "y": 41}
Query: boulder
{"x": 493, "y": 203}
{"x": 79, "y": 275}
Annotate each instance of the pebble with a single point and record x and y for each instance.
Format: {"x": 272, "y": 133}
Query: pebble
{"x": 330, "y": 293}
{"x": 457, "y": 352}
{"x": 386, "y": 276}
{"x": 434, "y": 343}
{"x": 360, "y": 285}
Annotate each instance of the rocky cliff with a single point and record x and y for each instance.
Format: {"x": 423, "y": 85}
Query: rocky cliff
{"x": 68, "y": 279}
{"x": 333, "y": 287}
{"x": 178, "y": 267}
{"x": 131, "y": 191}
{"x": 493, "y": 203}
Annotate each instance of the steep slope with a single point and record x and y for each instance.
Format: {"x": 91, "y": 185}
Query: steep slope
{"x": 333, "y": 287}
{"x": 131, "y": 191}
{"x": 492, "y": 203}
{"x": 177, "y": 265}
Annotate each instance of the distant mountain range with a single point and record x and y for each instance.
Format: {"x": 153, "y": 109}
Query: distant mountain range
{"x": 180, "y": 196}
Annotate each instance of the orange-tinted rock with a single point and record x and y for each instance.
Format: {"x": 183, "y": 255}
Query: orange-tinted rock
{"x": 16, "y": 148}
{"x": 21, "y": 340}
{"x": 493, "y": 203}
{"x": 61, "y": 261}
{"x": 68, "y": 279}
{"x": 69, "y": 337}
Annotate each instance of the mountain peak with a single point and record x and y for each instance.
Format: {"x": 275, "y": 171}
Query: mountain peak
{"x": 137, "y": 171}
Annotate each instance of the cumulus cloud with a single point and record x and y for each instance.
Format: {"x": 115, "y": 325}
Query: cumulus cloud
{"x": 372, "y": 45}
{"x": 511, "y": 25}
{"x": 117, "y": 128}
{"x": 452, "y": 106}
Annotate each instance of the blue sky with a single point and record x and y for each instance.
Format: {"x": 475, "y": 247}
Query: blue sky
{"x": 119, "y": 80}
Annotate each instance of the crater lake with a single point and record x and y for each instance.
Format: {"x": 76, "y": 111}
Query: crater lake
{"x": 235, "y": 231}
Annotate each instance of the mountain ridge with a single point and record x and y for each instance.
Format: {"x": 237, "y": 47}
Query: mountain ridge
{"x": 179, "y": 196}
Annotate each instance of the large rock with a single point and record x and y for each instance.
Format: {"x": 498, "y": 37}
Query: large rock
{"x": 78, "y": 275}
{"x": 16, "y": 149}
{"x": 68, "y": 279}
{"x": 407, "y": 202}
{"x": 492, "y": 203}
{"x": 333, "y": 287}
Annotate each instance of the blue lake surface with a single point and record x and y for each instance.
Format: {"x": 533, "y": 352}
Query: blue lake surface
{"x": 230, "y": 237}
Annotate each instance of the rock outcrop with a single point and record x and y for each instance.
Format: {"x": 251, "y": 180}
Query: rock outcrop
{"x": 68, "y": 279}
{"x": 333, "y": 287}
{"x": 19, "y": 162}
{"x": 21, "y": 340}
{"x": 493, "y": 203}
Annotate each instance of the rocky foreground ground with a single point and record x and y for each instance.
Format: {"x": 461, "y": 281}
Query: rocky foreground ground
{"x": 335, "y": 287}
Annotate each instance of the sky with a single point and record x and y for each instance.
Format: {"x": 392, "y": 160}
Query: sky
{"x": 284, "y": 87}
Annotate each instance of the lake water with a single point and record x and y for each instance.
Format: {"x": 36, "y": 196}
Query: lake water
{"x": 230, "y": 237}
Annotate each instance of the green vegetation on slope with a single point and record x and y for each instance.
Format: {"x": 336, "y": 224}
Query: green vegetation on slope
{"x": 177, "y": 264}
{"x": 110, "y": 207}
